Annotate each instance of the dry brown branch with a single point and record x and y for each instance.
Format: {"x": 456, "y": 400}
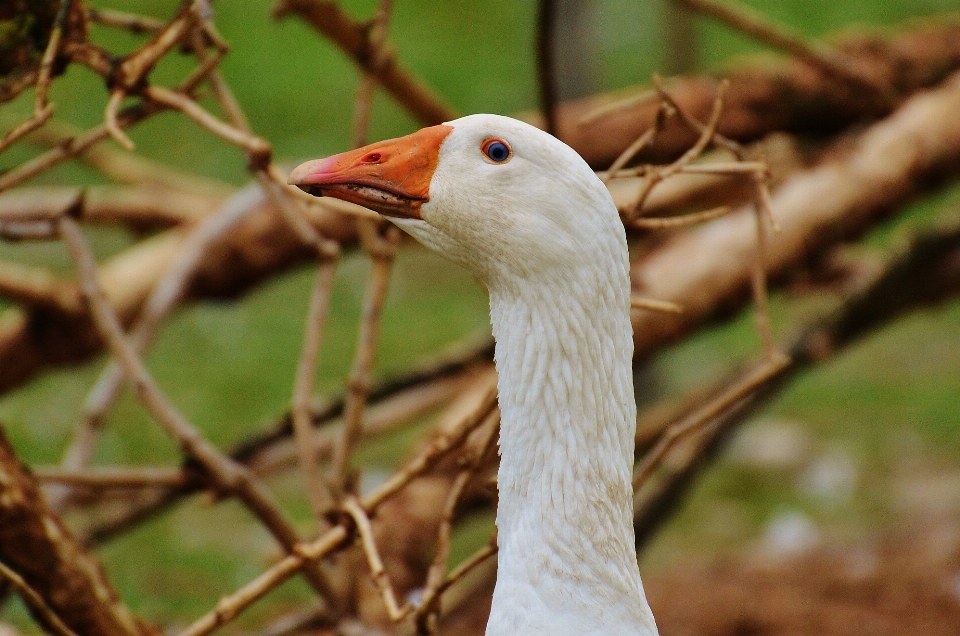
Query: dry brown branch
{"x": 122, "y": 20}
{"x": 317, "y": 489}
{"x": 428, "y": 610}
{"x": 831, "y": 202}
{"x": 377, "y": 571}
{"x": 818, "y": 54}
{"x": 113, "y": 477}
{"x": 132, "y": 71}
{"x": 926, "y": 273}
{"x": 382, "y": 250}
{"x": 467, "y": 565}
{"x": 794, "y": 98}
{"x": 125, "y": 167}
{"x": 742, "y": 387}
{"x": 165, "y": 295}
{"x": 638, "y": 145}
{"x": 656, "y": 175}
{"x": 763, "y": 214}
{"x": 294, "y": 212}
{"x": 671, "y": 222}
{"x": 655, "y": 305}
{"x": 110, "y": 119}
{"x": 36, "y": 121}
{"x": 259, "y": 245}
{"x": 377, "y": 35}
{"x": 38, "y": 286}
{"x": 230, "y": 606}
{"x": 43, "y": 553}
{"x": 35, "y": 602}
{"x": 228, "y": 474}
{"x": 401, "y": 397}
{"x": 353, "y": 38}
{"x": 258, "y": 149}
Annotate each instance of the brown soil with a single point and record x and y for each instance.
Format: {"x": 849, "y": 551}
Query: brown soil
{"x": 896, "y": 587}
{"x": 902, "y": 587}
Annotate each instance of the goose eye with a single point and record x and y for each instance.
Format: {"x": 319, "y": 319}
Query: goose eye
{"x": 496, "y": 150}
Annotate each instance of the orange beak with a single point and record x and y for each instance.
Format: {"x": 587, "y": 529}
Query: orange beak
{"x": 391, "y": 177}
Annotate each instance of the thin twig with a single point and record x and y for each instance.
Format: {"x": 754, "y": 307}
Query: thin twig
{"x": 381, "y": 251}
{"x": 380, "y": 577}
{"x": 257, "y": 147}
{"x": 49, "y": 56}
{"x": 377, "y": 37}
{"x": 35, "y": 602}
{"x": 639, "y": 144}
{"x": 291, "y": 209}
{"x": 317, "y": 489}
{"x": 758, "y": 283}
{"x": 335, "y": 538}
{"x": 638, "y": 302}
{"x": 763, "y": 213}
{"x": 706, "y": 136}
{"x": 110, "y": 119}
{"x": 228, "y": 474}
{"x": 670, "y": 222}
{"x": 468, "y": 564}
{"x": 429, "y": 609}
{"x": 819, "y": 55}
{"x": 39, "y": 118}
{"x": 730, "y": 395}
{"x": 113, "y": 477}
{"x": 132, "y": 22}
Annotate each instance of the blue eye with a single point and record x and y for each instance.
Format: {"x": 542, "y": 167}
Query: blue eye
{"x": 496, "y": 150}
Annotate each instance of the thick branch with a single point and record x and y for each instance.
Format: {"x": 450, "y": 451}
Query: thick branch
{"x": 40, "y": 549}
{"x": 793, "y": 98}
{"x": 925, "y": 274}
{"x": 707, "y": 271}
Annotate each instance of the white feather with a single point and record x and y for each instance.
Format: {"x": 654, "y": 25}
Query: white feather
{"x": 543, "y": 234}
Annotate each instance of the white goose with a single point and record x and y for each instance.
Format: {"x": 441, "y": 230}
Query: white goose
{"x": 525, "y": 214}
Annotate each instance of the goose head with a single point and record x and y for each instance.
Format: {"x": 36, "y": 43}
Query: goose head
{"x": 496, "y": 195}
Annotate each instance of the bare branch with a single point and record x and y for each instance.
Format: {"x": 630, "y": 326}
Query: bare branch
{"x": 303, "y": 385}
{"x": 35, "y": 602}
{"x": 329, "y": 19}
{"x": 764, "y": 29}
{"x": 230, "y": 606}
{"x": 382, "y": 251}
{"x": 228, "y": 474}
{"x": 58, "y": 577}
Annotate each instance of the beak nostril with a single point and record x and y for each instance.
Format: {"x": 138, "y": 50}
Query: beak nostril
{"x": 372, "y": 158}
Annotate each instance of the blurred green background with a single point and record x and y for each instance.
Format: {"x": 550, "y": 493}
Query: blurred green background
{"x": 886, "y": 409}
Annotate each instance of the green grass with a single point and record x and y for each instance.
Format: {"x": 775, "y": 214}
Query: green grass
{"x": 229, "y": 365}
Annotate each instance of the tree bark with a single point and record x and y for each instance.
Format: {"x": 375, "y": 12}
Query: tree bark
{"x": 36, "y": 545}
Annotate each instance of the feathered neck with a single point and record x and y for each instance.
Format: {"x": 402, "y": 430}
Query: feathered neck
{"x": 567, "y": 561}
